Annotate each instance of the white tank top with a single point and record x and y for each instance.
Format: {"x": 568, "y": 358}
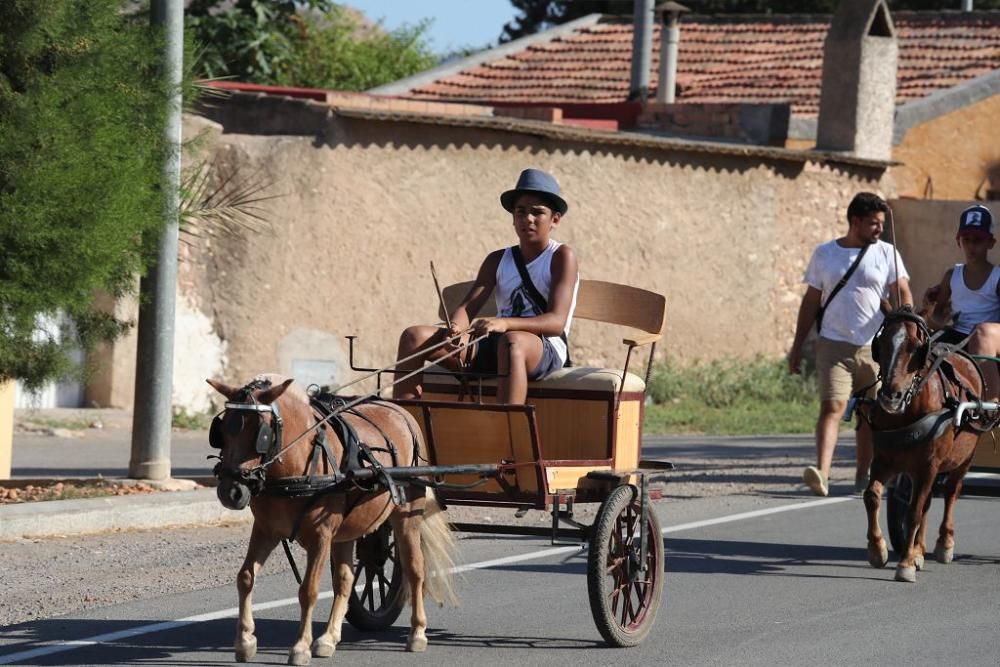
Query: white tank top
{"x": 513, "y": 300}
{"x": 974, "y": 306}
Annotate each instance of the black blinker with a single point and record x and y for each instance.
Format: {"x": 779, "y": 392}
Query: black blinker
{"x": 265, "y": 436}
{"x": 215, "y": 432}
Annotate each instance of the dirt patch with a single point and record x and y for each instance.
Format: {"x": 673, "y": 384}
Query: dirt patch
{"x": 70, "y": 490}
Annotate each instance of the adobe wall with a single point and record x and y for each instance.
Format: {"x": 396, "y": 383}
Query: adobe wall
{"x": 949, "y": 157}
{"x": 365, "y": 205}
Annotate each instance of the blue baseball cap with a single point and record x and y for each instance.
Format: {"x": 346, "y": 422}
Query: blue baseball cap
{"x": 976, "y": 221}
{"x": 535, "y": 181}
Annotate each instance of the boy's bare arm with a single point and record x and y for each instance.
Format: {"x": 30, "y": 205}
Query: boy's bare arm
{"x": 481, "y": 289}
{"x": 941, "y": 314}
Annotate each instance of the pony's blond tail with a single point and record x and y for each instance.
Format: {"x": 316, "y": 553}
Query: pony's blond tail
{"x": 437, "y": 542}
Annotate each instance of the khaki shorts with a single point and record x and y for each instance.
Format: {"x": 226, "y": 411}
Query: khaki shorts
{"x": 843, "y": 368}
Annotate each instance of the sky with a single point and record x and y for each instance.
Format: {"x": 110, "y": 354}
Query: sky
{"x": 456, "y": 23}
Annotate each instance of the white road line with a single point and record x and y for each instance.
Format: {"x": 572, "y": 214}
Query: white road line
{"x": 232, "y": 612}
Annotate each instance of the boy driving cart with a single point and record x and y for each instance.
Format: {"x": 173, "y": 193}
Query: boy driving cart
{"x": 536, "y": 284}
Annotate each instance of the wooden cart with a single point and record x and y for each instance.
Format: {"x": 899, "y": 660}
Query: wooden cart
{"x": 577, "y": 440}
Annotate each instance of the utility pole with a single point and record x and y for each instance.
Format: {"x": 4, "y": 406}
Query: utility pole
{"x": 152, "y": 413}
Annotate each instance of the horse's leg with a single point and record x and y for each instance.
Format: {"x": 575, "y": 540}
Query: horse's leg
{"x": 920, "y": 541}
{"x": 405, "y": 521}
{"x": 944, "y": 550}
{"x": 317, "y": 546}
{"x": 906, "y": 570}
{"x": 878, "y": 552}
{"x": 342, "y": 569}
{"x": 258, "y": 550}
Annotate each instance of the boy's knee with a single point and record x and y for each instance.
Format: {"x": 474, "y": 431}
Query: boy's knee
{"x": 510, "y": 343}
{"x": 412, "y": 337}
{"x": 408, "y": 335}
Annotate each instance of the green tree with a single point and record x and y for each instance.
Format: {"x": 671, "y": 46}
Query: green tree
{"x": 309, "y": 43}
{"x": 81, "y": 145}
{"x": 538, "y": 15}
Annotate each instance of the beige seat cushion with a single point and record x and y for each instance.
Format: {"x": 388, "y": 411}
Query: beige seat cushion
{"x": 577, "y": 377}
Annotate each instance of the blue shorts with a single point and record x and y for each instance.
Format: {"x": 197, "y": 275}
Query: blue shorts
{"x": 485, "y": 359}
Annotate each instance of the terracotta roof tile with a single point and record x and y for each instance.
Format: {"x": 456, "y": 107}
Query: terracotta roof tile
{"x": 726, "y": 59}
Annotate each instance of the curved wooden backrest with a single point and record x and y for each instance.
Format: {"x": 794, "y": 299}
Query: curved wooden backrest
{"x": 595, "y": 300}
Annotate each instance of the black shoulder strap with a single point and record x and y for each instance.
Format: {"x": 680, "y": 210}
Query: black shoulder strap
{"x": 522, "y": 268}
{"x": 533, "y": 292}
{"x": 840, "y": 285}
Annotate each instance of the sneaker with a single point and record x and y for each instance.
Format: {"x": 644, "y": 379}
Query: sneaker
{"x": 815, "y": 481}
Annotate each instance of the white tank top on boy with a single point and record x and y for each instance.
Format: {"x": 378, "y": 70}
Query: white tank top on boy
{"x": 512, "y": 298}
{"x": 974, "y": 306}
{"x": 855, "y": 313}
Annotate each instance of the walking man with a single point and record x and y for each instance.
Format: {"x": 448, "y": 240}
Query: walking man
{"x": 846, "y": 280}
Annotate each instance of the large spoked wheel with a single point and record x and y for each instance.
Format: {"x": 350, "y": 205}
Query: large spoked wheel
{"x": 378, "y": 575}
{"x": 897, "y": 503}
{"x": 624, "y": 581}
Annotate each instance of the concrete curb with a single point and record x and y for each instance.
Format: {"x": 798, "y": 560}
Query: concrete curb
{"x": 94, "y": 515}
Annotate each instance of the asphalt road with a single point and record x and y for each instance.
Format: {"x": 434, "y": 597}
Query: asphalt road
{"x": 751, "y": 579}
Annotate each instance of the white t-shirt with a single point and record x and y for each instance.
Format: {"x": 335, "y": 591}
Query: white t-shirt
{"x": 513, "y": 300}
{"x": 854, "y": 315}
{"x": 974, "y": 306}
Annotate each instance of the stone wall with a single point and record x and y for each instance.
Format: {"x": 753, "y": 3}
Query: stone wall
{"x": 367, "y": 201}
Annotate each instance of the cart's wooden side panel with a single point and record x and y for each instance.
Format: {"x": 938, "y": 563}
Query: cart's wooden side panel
{"x": 459, "y": 435}
{"x": 573, "y": 429}
{"x": 987, "y": 456}
{"x": 628, "y": 432}
{"x": 568, "y": 428}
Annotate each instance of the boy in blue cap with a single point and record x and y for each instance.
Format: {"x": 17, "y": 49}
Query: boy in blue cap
{"x": 536, "y": 283}
{"x": 969, "y": 293}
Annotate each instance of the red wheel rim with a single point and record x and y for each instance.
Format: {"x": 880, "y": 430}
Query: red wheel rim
{"x": 630, "y": 597}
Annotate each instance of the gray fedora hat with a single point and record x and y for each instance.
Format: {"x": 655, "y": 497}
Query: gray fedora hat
{"x": 535, "y": 181}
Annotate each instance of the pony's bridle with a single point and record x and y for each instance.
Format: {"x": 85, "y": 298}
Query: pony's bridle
{"x": 919, "y": 379}
{"x": 267, "y": 443}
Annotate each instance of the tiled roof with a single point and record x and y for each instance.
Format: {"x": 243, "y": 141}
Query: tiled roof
{"x": 764, "y": 58}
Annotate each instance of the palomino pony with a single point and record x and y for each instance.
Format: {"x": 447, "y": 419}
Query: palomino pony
{"x": 915, "y": 433}
{"x": 264, "y": 463}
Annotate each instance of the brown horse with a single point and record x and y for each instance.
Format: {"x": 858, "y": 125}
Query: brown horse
{"x": 258, "y": 464}
{"x": 913, "y": 423}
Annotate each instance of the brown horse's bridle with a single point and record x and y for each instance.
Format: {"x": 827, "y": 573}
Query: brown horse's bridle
{"x": 919, "y": 379}
{"x": 267, "y": 442}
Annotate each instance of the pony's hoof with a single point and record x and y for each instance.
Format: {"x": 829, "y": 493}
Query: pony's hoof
{"x": 878, "y": 555}
{"x": 323, "y": 648}
{"x": 944, "y": 554}
{"x": 299, "y": 658}
{"x": 907, "y": 574}
{"x": 246, "y": 650}
{"x": 416, "y": 644}
{"x": 918, "y": 562}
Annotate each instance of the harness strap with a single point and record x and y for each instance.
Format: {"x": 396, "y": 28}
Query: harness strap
{"x": 927, "y": 428}
{"x": 321, "y": 449}
{"x": 291, "y": 560}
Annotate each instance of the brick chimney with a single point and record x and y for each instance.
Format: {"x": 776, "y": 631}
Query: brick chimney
{"x": 858, "y": 100}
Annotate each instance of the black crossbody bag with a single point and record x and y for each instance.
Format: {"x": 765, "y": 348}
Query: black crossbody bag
{"x": 535, "y": 295}
{"x": 839, "y": 286}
